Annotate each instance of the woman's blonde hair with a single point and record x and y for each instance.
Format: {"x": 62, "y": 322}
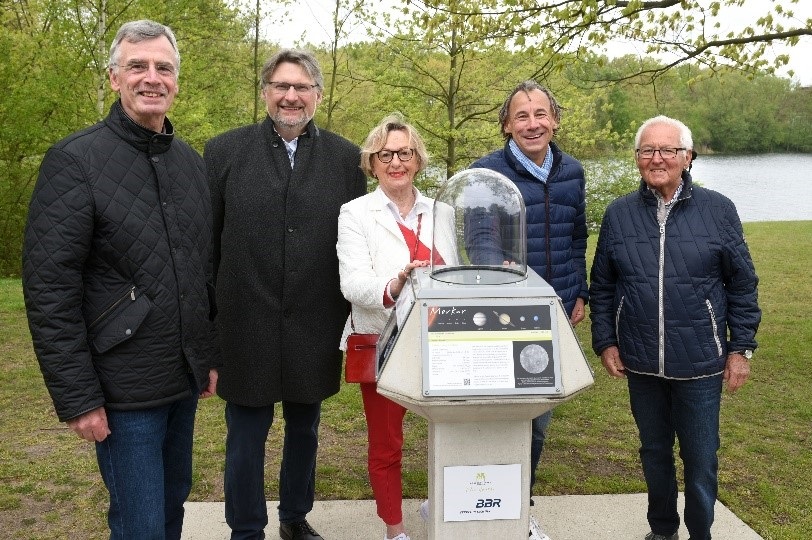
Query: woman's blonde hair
{"x": 377, "y": 139}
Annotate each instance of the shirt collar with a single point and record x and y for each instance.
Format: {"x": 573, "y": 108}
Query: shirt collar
{"x": 422, "y": 205}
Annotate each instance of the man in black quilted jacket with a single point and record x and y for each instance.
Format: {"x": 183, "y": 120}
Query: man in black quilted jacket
{"x": 116, "y": 278}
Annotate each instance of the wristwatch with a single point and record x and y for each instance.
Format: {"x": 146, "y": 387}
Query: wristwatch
{"x": 747, "y": 353}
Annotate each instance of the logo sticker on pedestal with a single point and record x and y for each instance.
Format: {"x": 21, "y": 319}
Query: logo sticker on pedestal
{"x": 482, "y": 492}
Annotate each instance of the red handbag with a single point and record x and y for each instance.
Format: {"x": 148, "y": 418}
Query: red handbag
{"x": 361, "y": 364}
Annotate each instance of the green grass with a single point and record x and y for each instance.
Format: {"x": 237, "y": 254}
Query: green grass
{"x": 49, "y": 486}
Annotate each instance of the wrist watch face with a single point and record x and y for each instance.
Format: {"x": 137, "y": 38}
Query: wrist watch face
{"x": 748, "y": 354}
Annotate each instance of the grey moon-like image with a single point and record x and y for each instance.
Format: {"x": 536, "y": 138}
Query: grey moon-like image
{"x": 480, "y": 319}
{"x": 534, "y": 358}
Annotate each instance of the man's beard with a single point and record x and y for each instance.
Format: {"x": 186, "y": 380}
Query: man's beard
{"x": 279, "y": 119}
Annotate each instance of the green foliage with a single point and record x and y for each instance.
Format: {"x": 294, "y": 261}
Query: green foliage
{"x": 606, "y": 180}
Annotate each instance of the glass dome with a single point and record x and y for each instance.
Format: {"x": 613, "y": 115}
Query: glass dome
{"x": 479, "y": 230}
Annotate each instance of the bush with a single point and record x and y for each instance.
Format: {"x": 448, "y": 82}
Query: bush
{"x": 606, "y": 180}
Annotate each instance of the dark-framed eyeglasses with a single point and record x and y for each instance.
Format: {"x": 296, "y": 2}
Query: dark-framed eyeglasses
{"x": 282, "y": 88}
{"x": 667, "y": 152}
{"x": 386, "y": 156}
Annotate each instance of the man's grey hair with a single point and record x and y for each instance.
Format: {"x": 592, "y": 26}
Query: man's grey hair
{"x": 686, "y": 140}
{"x": 526, "y": 87}
{"x": 300, "y": 57}
{"x": 143, "y": 30}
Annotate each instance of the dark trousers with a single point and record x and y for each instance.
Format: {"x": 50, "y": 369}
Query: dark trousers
{"x": 688, "y": 410}
{"x": 244, "y": 482}
{"x": 539, "y": 435}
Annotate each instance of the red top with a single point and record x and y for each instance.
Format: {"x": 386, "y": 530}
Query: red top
{"x": 418, "y": 252}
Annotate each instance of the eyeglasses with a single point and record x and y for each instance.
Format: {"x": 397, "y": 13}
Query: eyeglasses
{"x": 386, "y": 156}
{"x": 139, "y": 68}
{"x": 665, "y": 153}
{"x": 282, "y": 88}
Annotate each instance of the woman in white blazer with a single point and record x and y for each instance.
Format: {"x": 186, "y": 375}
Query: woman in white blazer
{"x": 382, "y": 236}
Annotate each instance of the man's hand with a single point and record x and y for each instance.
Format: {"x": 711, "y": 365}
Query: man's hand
{"x": 211, "y": 389}
{"x": 577, "y": 312}
{"x": 610, "y": 358}
{"x": 91, "y": 426}
{"x": 737, "y": 369}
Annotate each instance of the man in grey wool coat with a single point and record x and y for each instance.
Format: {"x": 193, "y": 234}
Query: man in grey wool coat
{"x": 277, "y": 188}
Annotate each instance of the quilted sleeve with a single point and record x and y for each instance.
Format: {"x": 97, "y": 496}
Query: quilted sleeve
{"x": 741, "y": 285}
{"x": 603, "y": 280}
{"x": 57, "y": 239}
{"x": 580, "y": 234}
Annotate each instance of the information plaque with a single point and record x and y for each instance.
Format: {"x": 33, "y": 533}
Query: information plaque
{"x": 489, "y": 349}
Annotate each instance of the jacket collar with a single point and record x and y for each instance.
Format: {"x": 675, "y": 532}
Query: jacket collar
{"x": 687, "y": 187}
{"x": 143, "y": 139}
{"x": 311, "y": 130}
{"x": 383, "y": 214}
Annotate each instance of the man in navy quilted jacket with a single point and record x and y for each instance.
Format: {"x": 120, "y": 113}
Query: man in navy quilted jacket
{"x": 116, "y": 280}
{"x": 554, "y": 191}
{"x": 674, "y": 311}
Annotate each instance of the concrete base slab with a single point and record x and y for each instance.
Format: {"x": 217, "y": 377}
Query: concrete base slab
{"x": 567, "y": 517}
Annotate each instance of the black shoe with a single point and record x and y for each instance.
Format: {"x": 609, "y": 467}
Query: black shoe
{"x": 652, "y": 536}
{"x": 298, "y": 530}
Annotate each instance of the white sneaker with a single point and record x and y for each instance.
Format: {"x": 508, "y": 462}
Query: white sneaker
{"x": 424, "y": 510}
{"x": 401, "y": 536}
{"x": 535, "y": 531}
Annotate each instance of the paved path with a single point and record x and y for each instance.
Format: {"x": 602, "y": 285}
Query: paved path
{"x": 568, "y": 517}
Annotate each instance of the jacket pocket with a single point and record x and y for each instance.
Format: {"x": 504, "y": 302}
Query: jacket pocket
{"x": 715, "y": 327}
{"x": 119, "y": 322}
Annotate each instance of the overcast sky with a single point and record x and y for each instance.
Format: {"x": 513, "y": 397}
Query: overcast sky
{"x": 313, "y": 18}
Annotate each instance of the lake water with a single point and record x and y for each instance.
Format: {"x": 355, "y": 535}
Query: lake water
{"x": 765, "y": 187}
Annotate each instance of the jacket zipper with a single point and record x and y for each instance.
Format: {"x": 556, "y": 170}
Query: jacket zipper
{"x": 617, "y": 318}
{"x": 106, "y": 312}
{"x": 715, "y": 327}
{"x": 547, "y": 233}
{"x": 661, "y": 284}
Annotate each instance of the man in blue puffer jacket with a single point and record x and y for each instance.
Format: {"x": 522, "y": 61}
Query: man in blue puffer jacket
{"x": 553, "y": 188}
{"x": 675, "y": 311}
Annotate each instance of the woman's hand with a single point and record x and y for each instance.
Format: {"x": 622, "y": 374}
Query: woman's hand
{"x": 396, "y": 285}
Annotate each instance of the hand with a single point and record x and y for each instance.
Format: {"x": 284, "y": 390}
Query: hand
{"x": 91, "y": 426}
{"x": 577, "y": 312}
{"x": 396, "y": 284}
{"x": 610, "y": 358}
{"x": 211, "y": 389}
{"x": 737, "y": 369}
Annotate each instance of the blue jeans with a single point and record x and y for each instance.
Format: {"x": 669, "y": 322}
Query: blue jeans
{"x": 146, "y": 464}
{"x": 688, "y": 410}
{"x": 538, "y": 435}
{"x": 244, "y": 479}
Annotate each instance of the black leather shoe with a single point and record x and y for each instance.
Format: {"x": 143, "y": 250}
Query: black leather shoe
{"x": 298, "y": 530}
{"x": 652, "y": 536}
